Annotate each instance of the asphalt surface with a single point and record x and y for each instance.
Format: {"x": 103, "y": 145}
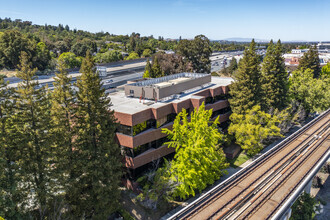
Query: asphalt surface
{"x": 121, "y": 73}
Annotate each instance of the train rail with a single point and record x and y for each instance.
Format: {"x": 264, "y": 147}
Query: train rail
{"x": 237, "y": 196}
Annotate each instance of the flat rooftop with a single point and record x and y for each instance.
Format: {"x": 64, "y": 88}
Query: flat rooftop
{"x": 175, "y": 78}
{"x": 131, "y": 105}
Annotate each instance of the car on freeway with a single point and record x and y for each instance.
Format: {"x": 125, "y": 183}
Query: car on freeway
{"x": 109, "y": 81}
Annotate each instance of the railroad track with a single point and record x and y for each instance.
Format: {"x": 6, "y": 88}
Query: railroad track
{"x": 236, "y": 195}
{"x": 261, "y": 195}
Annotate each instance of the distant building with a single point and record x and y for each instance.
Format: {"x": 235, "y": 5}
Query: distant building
{"x": 293, "y": 61}
{"x": 299, "y": 51}
{"x": 147, "y": 106}
{"x": 323, "y": 47}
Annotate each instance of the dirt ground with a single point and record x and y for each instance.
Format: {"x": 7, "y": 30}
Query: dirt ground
{"x": 8, "y": 73}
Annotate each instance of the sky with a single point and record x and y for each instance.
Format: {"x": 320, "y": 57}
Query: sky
{"x": 288, "y": 20}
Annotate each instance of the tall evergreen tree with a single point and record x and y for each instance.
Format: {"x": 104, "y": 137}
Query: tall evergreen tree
{"x": 246, "y": 89}
{"x": 10, "y": 195}
{"x": 32, "y": 125}
{"x": 232, "y": 66}
{"x": 62, "y": 113}
{"x": 274, "y": 81}
{"x": 148, "y": 70}
{"x": 95, "y": 192}
{"x": 156, "y": 69}
{"x": 311, "y": 60}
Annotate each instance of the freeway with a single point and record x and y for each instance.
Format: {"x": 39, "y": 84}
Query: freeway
{"x": 129, "y": 71}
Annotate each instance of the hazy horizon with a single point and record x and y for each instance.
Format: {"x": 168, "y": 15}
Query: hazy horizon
{"x": 289, "y": 21}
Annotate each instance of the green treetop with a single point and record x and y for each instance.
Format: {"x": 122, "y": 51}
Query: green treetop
{"x": 253, "y": 128}
{"x": 303, "y": 207}
{"x": 312, "y": 93}
{"x": 246, "y": 89}
{"x": 62, "y": 113}
{"x": 274, "y": 81}
{"x": 156, "y": 69}
{"x": 326, "y": 70}
{"x": 98, "y": 163}
{"x": 10, "y": 193}
{"x": 232, "y": 66}
{"x": 198, "y": 52}
{"x": 148, "y": 70}
{"x": 198, "y": 160}
{"x": 311, "y": 60}
{"x": 32, "y": 126}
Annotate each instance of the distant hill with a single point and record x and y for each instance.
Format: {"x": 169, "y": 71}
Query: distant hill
{"x": 240, "y": 39}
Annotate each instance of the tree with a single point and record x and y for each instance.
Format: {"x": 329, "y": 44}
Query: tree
{"x": 156, "y": 70}
{"x": 246, "y": 89}
{"x": 94, "y": 194}
{"x": 108, "y": 56}
{"x": 303, "y": 207}
{"x": 312, "y": 93}
{"x": 32, "y": 126}
{"x": 12, "y": 43}
{"x": 42, "y": 56}
{"x": 198, "y": 160}
{"x": 173, "y": 63}
{"x": 147, "y": 53}
{"x": 326, "y": 70}
{"x": 132, "y": 56}
{"x": 274, "y": 81}
{"x": 147, "y": 70}
{"x": 10, "y": 193}
{"x": 81, "y": 47}
{"x": 311, "y": 60}
{"x": 69, "y": 60}
{"x": 252, "y": 128}
{"x": 198, "y": 52}
{"x": 232, "y": 66}
{"x": 63, "y": 121}
{"x": 62, "y": 46}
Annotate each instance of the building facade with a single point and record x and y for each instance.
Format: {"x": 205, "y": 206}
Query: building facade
{"x": 142, "y": 117}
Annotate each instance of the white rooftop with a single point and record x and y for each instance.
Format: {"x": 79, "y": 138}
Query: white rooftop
{"x": 122, "y": 103}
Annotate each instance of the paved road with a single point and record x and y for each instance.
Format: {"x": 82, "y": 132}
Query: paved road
{"x": 120, "y": 70}
{"x": 126, "y": 71}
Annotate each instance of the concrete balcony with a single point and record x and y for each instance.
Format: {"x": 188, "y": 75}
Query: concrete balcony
{"x": 147, "y": 156}
{"x": 147, "y": 136}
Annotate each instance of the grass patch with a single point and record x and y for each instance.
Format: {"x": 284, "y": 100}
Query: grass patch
{"x": 238, "y": 160}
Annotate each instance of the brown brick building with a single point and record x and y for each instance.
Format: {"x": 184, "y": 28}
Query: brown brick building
{"x": 141, "y": 119}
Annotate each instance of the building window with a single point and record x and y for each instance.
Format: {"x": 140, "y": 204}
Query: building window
{"x": 140, "y": 149}
{"x": 221, "y": 97}
{"x": 131, "y": 92}
{"x": 124, "y": 129}
{"x": 126, "y": 151}
{"x": 220, "y": 112}
{"x": 137, "y": 129}
{"x": 171, "y": 117}
{"x": 136, "y": 151}
{"x": 209, "y": 100}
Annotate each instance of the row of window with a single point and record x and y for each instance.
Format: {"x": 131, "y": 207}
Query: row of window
{"x": 211, "y": 100}
{"x": 160, "y": 142}
{"x": 143, "y": 148}
{"x": 220, "y": 112}
{"x": 153, "y": 123}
